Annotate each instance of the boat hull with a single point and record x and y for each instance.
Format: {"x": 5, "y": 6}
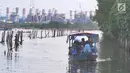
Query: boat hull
{"x": 83, "y": 57}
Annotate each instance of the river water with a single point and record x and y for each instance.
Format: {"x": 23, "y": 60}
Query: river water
{"x": 50, "y": 55}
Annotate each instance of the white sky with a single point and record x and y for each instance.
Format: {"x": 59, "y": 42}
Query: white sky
{"x": 63, "y": 6}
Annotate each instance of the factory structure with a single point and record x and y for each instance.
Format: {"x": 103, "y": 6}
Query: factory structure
{"x": 43, "y": 16}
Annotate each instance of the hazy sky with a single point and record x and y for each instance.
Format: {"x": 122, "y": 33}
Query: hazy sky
{"x": 61, "y": 5}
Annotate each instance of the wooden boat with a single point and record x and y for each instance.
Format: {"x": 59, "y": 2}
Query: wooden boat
{"x": 90, "y": 56}
{"x": 83, "y": 57}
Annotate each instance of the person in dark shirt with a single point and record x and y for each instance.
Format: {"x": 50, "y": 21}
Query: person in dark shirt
{"x": 83, "y": 42}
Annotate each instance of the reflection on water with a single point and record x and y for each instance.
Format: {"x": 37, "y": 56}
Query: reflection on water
{"x": 9, "y": 55}
{"x": 11, "y": 61}
{"x": 16, "y": 57}
{"x": 112, "y": 58}
{"x": 82, "y": 67}
{"x": 49, "y": 55}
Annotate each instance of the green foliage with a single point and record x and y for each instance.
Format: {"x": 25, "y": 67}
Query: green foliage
{"x": 102, "y": 14}
{"x": 110, "y": 20}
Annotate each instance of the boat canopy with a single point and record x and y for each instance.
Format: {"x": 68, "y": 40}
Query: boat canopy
{"x": 83, "y": 34}
{"x": 72, "y": 36}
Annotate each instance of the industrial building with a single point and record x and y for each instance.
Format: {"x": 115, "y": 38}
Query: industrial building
{"x": 81, "y": 18}
{"x": 41, "y": 16}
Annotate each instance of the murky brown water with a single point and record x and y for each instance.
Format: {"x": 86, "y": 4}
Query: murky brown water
{"x": 49, "y": 55}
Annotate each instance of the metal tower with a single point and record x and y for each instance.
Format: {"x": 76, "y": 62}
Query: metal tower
{"x": 7, "y": 13}
{"x": 32, "y": 8}
{"x": 32, "y": 4}
{"x": 42, "y": 16}
{"x": 70, "y": 15}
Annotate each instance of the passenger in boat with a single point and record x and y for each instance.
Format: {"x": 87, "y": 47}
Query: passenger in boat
{"x": 77, "y": 43}
{"x": 92, "y": 45}
{"x": 94, "y": 50}
{"x": 74, "y": 48}
{"x": 74, "y": 52}
{"x": 78, "y": 47}
{"x": 82, "y": 45}
{"x": 87, "y": 48}
{"x": 83, "y": 42}
{"x": 90, "y": 41}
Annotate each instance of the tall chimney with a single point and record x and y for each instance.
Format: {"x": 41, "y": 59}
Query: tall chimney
{"x": 86, "y": 13}
{"x": 17, "y": 10}
{"x": 37, "y": 11}
{"x": 75, "y": 12}
{"x": 7, "y": 13}
{"x": 43, "y": 11}
{"x": 49, "y": 11}
{"x": 30, "y": 11}
{"x": 71, "y": 14}
{"x": 24, "y": 12}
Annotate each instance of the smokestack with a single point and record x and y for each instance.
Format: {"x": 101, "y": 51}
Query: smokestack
{"x": 71, "y": 14}
{"x": 36, "y": 10}
{"x": 49, "y": 11}
{"x": 55, "y": 12}
{"x": 43, "y": 11}
{"x": 30, "y": 11}
{"x": 82, "y": 12}
{"x": 86, "y": 13}
{"x": 24, "y": 11}
{"x": 17, "y": 10}
{"x": 7, "y": 12}
{"x": 75, "y": 12}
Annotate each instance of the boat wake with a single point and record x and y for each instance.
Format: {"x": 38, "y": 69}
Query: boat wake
{"x": 104, "y": 60}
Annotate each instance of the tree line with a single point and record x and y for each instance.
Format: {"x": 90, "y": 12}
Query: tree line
{"x": 113, "y": 23}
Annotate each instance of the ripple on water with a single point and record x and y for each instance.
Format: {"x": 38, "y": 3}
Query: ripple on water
{"x": 104, "y": 60}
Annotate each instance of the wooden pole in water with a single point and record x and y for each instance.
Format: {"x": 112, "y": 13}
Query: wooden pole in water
{"x": 45, "y": 33}
{"x": 11, "y": 42}
{"x": 21, "y": 38}
{"x": 62, "y": 32}
{"x": 33, "y": 34}
{"x": 7, "y": 40}
{"x": 41, "y": 33}
{"x": 16, "y": 42}
{"x": 36, "y": 33}
{"x": 3, "y": 37}
{"x": 57, "y": 31}
{"x": 48, "y": 34}
{"x": 54, "y": 32}
{"x": 29, "y": 35}
{"x": 18, "y": 35}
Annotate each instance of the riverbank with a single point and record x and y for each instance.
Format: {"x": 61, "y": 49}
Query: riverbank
{"x": 50, "y": 25}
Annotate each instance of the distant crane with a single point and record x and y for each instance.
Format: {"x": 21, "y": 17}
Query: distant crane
{"x": 80, "y": 7}
{"x": 32, "y": 8}
{"x": 32, "y": 4}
